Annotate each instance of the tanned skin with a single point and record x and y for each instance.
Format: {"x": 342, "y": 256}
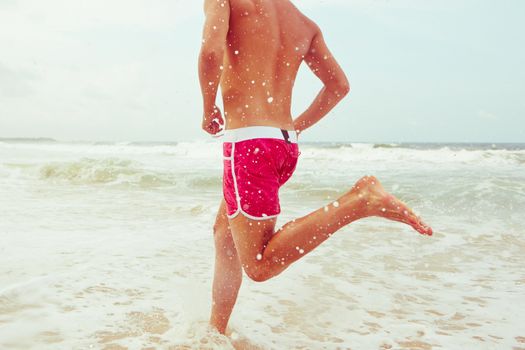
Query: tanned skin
{"x": 253, "y": 49}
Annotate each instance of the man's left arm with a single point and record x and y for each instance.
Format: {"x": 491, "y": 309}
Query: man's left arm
{"x": 211, "y": 58}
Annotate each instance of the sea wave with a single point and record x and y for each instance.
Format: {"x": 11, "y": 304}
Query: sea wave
{"x": 387, "y": 145}
{"x": 323, "y": 169}
{"x": 105, "y": 171}
{"x": 483, "y": 154}
{"x": 392, "y": 154}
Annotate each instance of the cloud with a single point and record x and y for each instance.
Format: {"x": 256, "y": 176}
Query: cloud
{"x": 485, "y": 115}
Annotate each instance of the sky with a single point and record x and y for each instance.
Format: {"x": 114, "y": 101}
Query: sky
{"x": 126, "y": 70}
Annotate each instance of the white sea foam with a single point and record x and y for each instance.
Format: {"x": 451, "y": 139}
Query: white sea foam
{"x": 108, "y": 245}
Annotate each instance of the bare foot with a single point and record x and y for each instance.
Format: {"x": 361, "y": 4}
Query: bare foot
{"x": 381, "y": 203}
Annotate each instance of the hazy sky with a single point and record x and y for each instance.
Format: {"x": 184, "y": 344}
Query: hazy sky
{"x": 448, "y": 70}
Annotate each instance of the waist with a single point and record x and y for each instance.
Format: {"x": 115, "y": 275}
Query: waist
{"x": 259, "y": 132}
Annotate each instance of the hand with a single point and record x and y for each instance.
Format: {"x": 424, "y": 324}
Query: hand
{"x": 297, "y": 129}
{"x": 212, "y": 121}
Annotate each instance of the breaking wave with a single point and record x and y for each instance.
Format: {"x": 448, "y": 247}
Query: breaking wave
{"x": 105, "y": 171}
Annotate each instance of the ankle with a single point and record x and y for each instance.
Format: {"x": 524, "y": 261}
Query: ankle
{"x": 357, "y": 202}
{"x": 218, "y": 326}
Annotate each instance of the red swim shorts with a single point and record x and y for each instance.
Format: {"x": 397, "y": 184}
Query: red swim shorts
{"x": 257, "y": 162}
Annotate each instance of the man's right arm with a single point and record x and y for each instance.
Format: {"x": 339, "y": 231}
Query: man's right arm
{"x": 336, "y": 86}
{"x": 211, "y": 58}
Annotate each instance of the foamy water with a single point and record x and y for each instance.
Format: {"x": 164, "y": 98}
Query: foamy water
{"x": 109, "y": 246}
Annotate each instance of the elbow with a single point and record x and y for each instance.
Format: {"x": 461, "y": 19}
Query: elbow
{"x": 340, "y": 89}
{"x": 344, "y": 86}
{"x": 344, "y": 89}
{"x": 211, "y": 55}
{"x": 209, "y": 61}
{"x": 338, "y": 85}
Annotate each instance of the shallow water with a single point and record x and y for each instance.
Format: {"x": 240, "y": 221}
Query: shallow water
{"x": 109, "y": 246}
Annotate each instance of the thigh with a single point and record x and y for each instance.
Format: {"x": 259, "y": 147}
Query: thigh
{"x": 251, "y": 237}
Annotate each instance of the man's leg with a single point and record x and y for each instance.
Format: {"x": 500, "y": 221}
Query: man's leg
{"x": 264, "y": 254}
{"x": 228, "y": 273}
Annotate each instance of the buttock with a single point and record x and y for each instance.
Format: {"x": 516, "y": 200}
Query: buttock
{"x": 254, "y": 171}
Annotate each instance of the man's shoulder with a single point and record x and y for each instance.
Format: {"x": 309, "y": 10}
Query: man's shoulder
{"x": 241, "y": 5}
{"x": 307, "y": 21}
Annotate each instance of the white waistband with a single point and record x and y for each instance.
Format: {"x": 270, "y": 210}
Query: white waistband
{"x": 257, "y": 132}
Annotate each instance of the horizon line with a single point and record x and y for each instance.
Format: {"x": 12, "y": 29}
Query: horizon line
{"x": 44, "y": 139}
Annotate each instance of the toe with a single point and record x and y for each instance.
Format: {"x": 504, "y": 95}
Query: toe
{"x": 429, "y": 230}
{"x": 425, "y": 229}
{"x": 421, "y": 226}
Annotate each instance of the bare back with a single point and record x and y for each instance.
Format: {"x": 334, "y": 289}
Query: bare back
{"x": 266, "y": 43}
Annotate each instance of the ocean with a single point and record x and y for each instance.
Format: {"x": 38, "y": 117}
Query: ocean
{"x": 110, "y": 246}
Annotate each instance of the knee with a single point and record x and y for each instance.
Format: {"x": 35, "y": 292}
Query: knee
{"x": 257, "y": 273}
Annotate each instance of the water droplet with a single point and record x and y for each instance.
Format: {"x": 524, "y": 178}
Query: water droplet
{"x": 301, "y": 251}
{"x": 236, "y": 52}
{"x": 259, "y": 257}
{"x": 336, "y": 204}
{"x": 270, "y": 99}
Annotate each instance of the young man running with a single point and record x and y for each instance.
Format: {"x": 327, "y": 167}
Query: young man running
{"x": 253, "y": 49}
